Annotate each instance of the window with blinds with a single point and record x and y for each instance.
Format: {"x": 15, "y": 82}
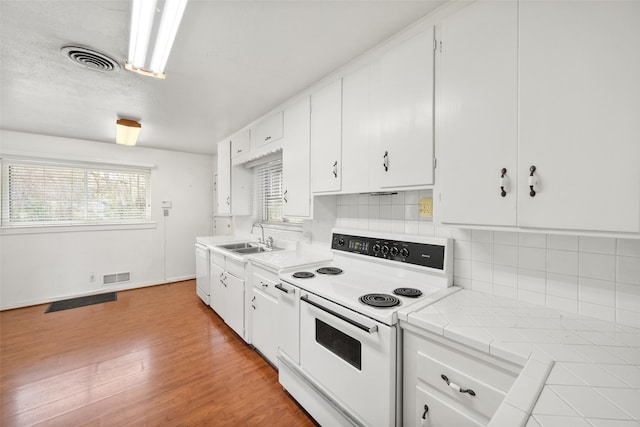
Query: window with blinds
{"x": 268, "y": 194}
{"x": 39, "y": 194}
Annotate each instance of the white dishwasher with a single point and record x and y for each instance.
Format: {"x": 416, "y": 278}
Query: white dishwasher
{"x": 202, "y": 272}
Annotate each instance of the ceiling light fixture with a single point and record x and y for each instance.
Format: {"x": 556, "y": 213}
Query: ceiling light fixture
{"x": 143, "y": 25}
{"x": 127, "y": 131}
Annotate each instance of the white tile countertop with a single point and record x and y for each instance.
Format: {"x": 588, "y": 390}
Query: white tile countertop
{"x": 577, "y": 371}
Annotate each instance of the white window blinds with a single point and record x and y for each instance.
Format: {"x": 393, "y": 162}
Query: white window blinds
{"x": 268, "y": 194}
{"x": 49, "y": 194}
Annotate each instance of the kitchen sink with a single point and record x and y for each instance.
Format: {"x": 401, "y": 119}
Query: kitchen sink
{"x": 241, "y": 245}
{"x": 248, "y": 248}
{"x": 254, "y": 250}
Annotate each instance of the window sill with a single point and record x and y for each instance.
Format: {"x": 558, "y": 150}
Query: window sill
{"x": 75, "y": 228}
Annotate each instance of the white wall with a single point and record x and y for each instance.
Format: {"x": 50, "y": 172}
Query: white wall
{"x": 592, "y": 276}
{"x": 40, "y": 266}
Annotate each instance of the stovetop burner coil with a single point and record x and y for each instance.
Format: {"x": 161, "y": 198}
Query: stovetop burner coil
{"x": 329, "y": 270}
{"x": 379, "y": 300}
{"x": 408, "y": 292}
{"x": 303, "y": 275}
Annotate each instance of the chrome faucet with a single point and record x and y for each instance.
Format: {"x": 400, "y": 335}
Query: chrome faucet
{"x": 262, "y": 228}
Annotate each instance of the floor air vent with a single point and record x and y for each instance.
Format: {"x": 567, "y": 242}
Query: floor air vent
{"x": 90, "y": 58}
{"x": 110, "y": 279}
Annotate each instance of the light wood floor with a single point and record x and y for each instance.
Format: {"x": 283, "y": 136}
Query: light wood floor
{"x": 157, "y": 356}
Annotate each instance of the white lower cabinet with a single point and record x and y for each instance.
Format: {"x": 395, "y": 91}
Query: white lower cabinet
{"x": 264, "y": 313}
{"x": 288, "y": 321}
{"x": 263, "y": 324}
{"x": 448, "y": 384}
{"x": 227, "y": 292}
{"x": 432, "y": 411}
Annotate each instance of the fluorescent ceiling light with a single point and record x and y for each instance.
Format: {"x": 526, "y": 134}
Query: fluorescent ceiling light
{"x": 127, "y": 131}
{"x": 143, "y": 16}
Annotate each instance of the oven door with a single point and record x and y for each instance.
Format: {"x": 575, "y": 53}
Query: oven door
{"x": 351, "y": 356}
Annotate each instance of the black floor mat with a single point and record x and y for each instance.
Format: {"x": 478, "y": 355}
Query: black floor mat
{"x": 81, "y": 302}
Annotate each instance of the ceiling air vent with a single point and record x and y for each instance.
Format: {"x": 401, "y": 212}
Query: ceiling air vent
{"x": 90, "y": 58}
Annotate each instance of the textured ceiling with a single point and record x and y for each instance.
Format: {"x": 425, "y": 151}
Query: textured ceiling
{"x": 232, "y": 62}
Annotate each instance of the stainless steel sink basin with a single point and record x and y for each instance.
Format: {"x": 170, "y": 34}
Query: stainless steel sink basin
{"x": 252, "y": 250}
{"x": 241, "y": 245}
{"x": 247, "y": 248}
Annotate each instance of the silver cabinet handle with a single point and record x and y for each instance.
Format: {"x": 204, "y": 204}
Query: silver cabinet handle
{"x": 229, "y": 200}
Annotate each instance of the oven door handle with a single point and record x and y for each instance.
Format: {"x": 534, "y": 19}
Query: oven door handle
{"x": 368, "y": 329}
{"x": 285, "y": 290}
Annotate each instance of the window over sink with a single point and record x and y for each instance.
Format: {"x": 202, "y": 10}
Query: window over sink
{"x": 268, "y": 195}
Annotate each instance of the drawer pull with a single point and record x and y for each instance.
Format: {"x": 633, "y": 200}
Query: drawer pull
{"x": 424, "y": 414}
{"x": 456, "y": 387}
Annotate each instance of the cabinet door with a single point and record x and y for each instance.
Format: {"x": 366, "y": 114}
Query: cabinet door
{"x": 326, "y": 137}
{"x": 436, "y": 412}
{"x": 288, "y": 321}
{"x": 360, "y": 130}
{"x": 234, "y": 300}
{"x": 224, "y": 177}
{"x": 241, "y": 190}
{"x": 265, "y": 310}
{"x": 240, "y": 143}
{"x": 295, "y": 160}
{"x": 406, "y": 113}
{"x": 476, "y": 127}
{"x": 217, "y": 289}
{"x": 267, "y": 130}
{"x": 580, "y": 115}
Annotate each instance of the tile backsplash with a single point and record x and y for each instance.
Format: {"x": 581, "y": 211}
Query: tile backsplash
{"x": 592, "y": 276}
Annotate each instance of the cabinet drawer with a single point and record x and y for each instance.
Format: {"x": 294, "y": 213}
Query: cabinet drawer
{"x": 267, "y": 131}
{"x": 266, "y": 282}
{"x": 217, "y": 259}
{"x": 235, "y": 267}
{"x": 480, "y": 397}
{"x": 433, "y": 412}
{"x": 481, "y": 366}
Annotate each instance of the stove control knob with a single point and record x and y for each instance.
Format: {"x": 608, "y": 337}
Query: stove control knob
{"x": 404, "y": 252}
{"x": 341, "y": 242}
{"x": 385, "y": 249}
{"x": 394, "y": 250}
{"x": 376, "y": 248}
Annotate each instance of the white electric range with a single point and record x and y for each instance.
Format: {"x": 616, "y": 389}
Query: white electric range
{"x": 344, "y": 370}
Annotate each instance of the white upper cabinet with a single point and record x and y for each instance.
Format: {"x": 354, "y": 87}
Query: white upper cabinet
{"x": 295, "y": 160}
{"x": 405, "y": 156}
{"x": 326, "y": 137}
{"x": 552, "y": 85}
{"x": 240, "y": 143}
{"x": 580, "y": 115}
{"x": 235, "y": 184}
{"x": 267, "y": 130}
{"x": 477, "y": 107}
{"x": 224, "y": 177}
{"x": 360, "y": 130}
